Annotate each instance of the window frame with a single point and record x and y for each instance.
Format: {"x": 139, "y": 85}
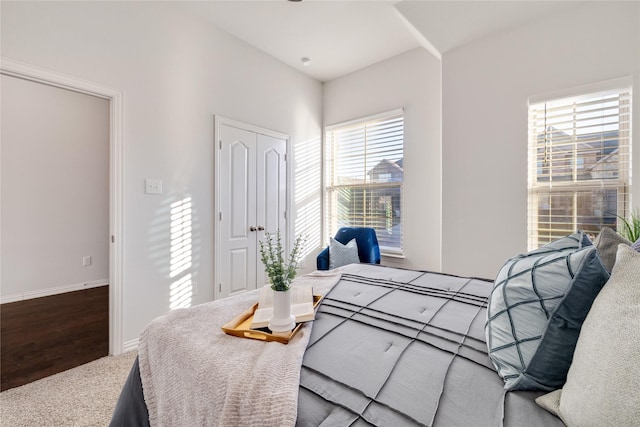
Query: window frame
{"x": 621, "y": 184}
{"x": 328, "y": 189}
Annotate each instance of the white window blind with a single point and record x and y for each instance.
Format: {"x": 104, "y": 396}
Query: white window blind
{"x": 579, "y": 164}
{"x": 364, "y": 174}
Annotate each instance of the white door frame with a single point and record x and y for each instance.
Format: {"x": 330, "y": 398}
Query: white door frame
{"x": 218, "y": 122}
{"x": 21, "y": 70}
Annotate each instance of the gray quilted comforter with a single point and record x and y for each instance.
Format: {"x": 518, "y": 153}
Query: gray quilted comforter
{"x": 394, "y": 347}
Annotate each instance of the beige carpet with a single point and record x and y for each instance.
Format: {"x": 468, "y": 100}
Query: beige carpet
{"x": 82, "y": 396}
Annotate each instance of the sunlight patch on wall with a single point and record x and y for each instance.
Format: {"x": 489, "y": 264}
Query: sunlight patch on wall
{"x": 181, "y": 290}
{"x": 308, "y": 203}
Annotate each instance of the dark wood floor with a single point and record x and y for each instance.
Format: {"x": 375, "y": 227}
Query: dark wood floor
{"x": 44, "y": 336}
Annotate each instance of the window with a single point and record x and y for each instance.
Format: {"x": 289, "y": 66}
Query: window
{"x": 579, "y": 164}
{"x": 364, "y": 176}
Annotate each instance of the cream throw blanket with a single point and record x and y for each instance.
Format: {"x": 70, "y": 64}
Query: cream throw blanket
{"x": 193, "y": 374}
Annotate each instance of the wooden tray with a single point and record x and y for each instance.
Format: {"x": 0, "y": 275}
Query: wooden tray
{"x": 241, "y": 326}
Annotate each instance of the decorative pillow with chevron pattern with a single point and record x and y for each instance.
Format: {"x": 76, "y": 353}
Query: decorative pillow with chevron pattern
{"x": 536, "y": 309}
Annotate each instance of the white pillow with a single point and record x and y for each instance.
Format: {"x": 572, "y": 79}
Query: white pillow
{"x": 340, "y": 254}
{"x": 603, "y": 383}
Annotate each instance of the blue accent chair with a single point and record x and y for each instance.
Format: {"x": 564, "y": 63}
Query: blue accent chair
{"x": 368, "y": 249}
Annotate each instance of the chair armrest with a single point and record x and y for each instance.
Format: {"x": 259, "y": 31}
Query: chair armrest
{"x": 371, "y": 255}
{"x": 322, "y": 261}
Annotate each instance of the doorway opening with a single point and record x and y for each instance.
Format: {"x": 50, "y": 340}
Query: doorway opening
{"x": 115, "y": 99}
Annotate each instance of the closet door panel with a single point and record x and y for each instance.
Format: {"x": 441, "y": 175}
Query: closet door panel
{"x": 241, "y": 208}
{"x": 271, "y": 191}
{"x": 237, "y": 188}
{"x": 272, "y": 187}
{"x": 238, "y": 268}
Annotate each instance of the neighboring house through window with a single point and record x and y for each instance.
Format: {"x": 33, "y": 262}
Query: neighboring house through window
{"x": 579, "y": 163}
{"x": 364, "y": 177}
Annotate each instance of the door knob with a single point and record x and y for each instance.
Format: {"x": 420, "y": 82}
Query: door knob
{"x": 261, "y": 228}
{"x": 252, "y": 228}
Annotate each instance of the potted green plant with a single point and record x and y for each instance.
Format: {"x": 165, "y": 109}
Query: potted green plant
{"x": 281, "y": 272}
{"x": 630, "y": 229}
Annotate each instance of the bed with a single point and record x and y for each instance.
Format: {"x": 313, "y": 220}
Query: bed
{"x": 388, "y": 347}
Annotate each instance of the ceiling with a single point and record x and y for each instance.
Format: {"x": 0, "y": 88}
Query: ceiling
{"x": 340, "y": 37}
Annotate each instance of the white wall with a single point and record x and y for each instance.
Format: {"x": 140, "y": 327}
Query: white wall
{"x": 412, "y": 81}
{"x": 176, "y": 72}
{"x": 55, "y": 189}
{"x": 486, "y": 85}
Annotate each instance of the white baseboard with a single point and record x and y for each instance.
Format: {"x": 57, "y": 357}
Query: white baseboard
{"x": 130, "y": 345}
{"x": 54, "y": 291}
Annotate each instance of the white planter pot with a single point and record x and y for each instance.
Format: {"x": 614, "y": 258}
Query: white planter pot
{"x": 282, "y": 321}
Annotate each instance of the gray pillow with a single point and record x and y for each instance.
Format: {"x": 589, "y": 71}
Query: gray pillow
{"x": 607, "y": 244}
{"x": 636, "y": 246}
{"x": 602, "y": 387}
{"x": 536, "y": 309}
{"x": 340, "y": 254}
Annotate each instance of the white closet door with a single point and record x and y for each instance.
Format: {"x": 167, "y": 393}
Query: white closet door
{"x": 271, "y": 192}
{"x": 252, "y": 195}
{"x": 238, "y": 201}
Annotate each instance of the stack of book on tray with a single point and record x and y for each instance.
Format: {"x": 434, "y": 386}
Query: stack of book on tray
{"x": 301, "y": 305}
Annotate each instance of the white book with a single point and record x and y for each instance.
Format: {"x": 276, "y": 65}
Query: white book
{"x": 301, "y": 305}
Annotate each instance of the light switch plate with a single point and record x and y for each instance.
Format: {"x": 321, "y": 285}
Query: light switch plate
{"x": 153, "y": 186}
